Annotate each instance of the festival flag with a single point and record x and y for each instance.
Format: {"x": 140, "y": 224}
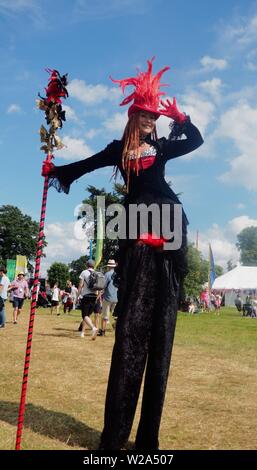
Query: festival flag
{"x": 212, "y": 274}
{"x": 11, "y": 268}
{"x": 100, "y": 239}
{"x": 21, "y": 264}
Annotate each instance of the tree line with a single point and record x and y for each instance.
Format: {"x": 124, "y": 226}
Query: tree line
{"x": 19, "y": 232}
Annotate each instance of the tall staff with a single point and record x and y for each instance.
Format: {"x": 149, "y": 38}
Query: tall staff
{"x": 54, "y": 115}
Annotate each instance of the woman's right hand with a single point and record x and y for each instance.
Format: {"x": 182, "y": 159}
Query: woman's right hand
{"x": 47, "y": 168}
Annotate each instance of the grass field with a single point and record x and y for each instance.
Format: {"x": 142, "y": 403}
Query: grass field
{"x": 211, "y": 400}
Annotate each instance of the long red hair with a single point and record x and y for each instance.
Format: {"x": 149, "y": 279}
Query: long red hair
{"x": 131, "y": 139}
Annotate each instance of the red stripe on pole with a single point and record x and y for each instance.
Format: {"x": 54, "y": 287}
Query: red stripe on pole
{"x": 31, "y": 319}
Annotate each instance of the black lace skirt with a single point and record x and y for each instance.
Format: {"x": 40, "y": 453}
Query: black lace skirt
{"x": 138, "y": 263}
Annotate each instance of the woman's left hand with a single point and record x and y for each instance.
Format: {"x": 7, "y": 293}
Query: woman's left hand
{"x": 171, "y": 110}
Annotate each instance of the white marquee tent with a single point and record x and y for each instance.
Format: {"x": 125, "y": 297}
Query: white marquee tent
{"x": 241, "y": 279}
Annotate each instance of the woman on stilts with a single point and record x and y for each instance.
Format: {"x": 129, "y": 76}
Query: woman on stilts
{"x": 149, "y": 274}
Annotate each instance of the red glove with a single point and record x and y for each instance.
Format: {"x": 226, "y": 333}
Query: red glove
{"x": 47, "y": 168}
{"x": 171, "y": 110}
{"x": 148, "y": 239}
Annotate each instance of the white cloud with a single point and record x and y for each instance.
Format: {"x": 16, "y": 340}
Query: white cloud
{"x": 240, "y": 205}
{"x": 63, "y": 246}
{"x": 91, "y": 133}
{"x": 251, "y": 66}
{"x": 92, "y": 94}
{"x": 16, "y": 5}
{"x": 237, "y": 224}
{"x": 241, "y": 95}
{"x": 162, "y": 126}
{"x": 223, "y": 239}
{"x": 117, "y": 122}
{"x": 13, "y": 108}
{"x": 251, "y": 60}
{"x": 181, "y": 183}
{"x": 200, "y": 109}
{"x": 209, "y": 64}
{"x": 75, "y": 149}
{"x": 243, "y": 33}
{"x": 212, "y": 87}
{"x": 13, "y": 8}
{"x": 239, "y": 125}
{"x": 70, "y": 114}
{"x": 222, "y": 248}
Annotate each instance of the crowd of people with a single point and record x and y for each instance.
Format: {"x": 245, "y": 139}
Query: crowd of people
{"x": 206, "y": 302}
{"x": 247, "y": 307}
{"x": 92, "y": 301}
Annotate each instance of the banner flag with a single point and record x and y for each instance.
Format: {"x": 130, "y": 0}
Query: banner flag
{"x": 100, "y": 240}
{"x": 212, "y": 274}
{"x": 11, "y": 267}
{"x": 21, "y": 264}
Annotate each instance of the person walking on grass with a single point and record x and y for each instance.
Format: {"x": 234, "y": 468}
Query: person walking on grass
{"x": 55, "y": 299}
{"x": 88, "y": 300}
{"x": 109, "y": 296}
{"x": 217, "y": 303}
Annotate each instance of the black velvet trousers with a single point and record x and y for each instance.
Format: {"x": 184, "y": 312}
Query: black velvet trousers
{"x": 147, "y": 310}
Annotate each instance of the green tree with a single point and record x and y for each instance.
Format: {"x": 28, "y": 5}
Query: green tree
{"x": 116, "y": 196}
{"x": 18, "y": 234}
{"x": 230, "y": 265}
{"x": 247, "y": 245}
{"x": 194, "y": 279}
{"x": 219, "y": 270}
{"x": 198, "y": 272}
{"x": 58, "y": 272}
{"x": 76, "y": 267}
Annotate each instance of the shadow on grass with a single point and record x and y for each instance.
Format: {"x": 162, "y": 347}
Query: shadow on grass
{"x": 70, "y": 334}
{"x": 65, "y": 329}
{"x": 53, "y": 424}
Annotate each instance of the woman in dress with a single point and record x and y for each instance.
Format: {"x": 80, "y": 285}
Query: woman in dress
{"x": 149, "y": 274}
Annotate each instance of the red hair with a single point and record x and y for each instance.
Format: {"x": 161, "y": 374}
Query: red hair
{"x": 131, "y": 140}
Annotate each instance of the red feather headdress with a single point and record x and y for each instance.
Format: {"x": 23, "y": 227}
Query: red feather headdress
{"x": 147, "y": 92}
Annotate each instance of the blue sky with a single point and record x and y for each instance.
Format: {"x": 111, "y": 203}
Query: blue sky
{"x": 211, "y": 48}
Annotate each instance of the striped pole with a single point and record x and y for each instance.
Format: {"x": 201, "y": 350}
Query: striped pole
{"x": 32, "y": 315}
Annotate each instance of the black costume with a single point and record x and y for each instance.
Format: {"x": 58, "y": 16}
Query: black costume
{"x": 148, "y": 281}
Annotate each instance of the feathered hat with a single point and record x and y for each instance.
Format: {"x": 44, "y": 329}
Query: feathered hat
{"x": 146, "y": 94}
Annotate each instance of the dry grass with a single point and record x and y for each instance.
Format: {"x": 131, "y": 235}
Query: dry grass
{"x": 210, "y": 401}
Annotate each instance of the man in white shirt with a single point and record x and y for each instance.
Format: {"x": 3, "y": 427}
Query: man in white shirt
{"x": 88, "y": 300}
{"x": 74, "y": 295}
{"x": 4, "y": 284}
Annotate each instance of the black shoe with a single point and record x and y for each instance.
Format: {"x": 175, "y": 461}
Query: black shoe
{"x": 100, "y": 332}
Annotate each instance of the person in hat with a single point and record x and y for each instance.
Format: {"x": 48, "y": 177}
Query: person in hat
{"x": 148, "y": 275}
{"x": 20, "y": 291}
{"x": 109, "y": 296}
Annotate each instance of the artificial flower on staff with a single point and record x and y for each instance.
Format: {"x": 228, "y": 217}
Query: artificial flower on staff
{"x": 51, "y": 104}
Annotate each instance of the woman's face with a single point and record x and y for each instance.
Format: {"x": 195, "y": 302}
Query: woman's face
{"x": 146, "y": 122}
